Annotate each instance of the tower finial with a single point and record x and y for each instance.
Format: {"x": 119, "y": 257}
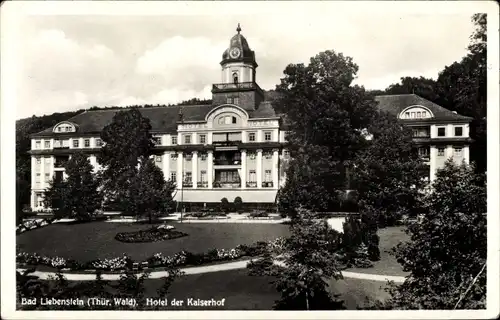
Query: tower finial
{"x": 239, "y": 28}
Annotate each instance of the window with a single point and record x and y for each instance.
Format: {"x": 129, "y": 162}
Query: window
{"x": 440, "y": 152}
{"x": 221, "y": 120}
{"x": 203, "y": 156}
{"x": 412, "y": 115}
{"x": 59, "y": 129}
{"x": 174, "y": 140}
{"x": 457, "y": 151}
{"x": 419, "y": 114}
{"x": 39, "y": 199}
{"x": 187, "y": 139}
{"x": 268, "y": 155}
{"x": 229, "y": 100}
{"x": 252, "y": 176}
{"x": 188, "y": 177}
{"x": 267, "y": 176}
{"x": 157, "y": 158}
{"x": 424, "y": 114}
{"x": 173, "y": 176}
{"x": 47, "y": 160}
{"x": 98, "y": 142}
{"x": 47, "y": 144}
{"x": 38, "y": 144}
{"x": 233, "y": 120}
{"x": 174, "y": 156}
{"x": 189, "y": 157}
{"x": 251, "y": 136}
{"x": 38, "y": 160}
{"x": 267, "y": 136}
{"x": 458, "y": 131}
{"x": 37, "y": 178}
{"x": 235, "y": 78}
{"x": 227, "y": 120}
{"x": 252, "y": 155}
{"x": 67, "y": 129}
{"x": 286, "y": 154}
{"x": 441, "y": 132}
{"x": 407, "y": 115}
{"x": 157, "y": 141}
{"x": 47, "y": 177}
{"x": 423, "y": 152}
{"x": 236, "y": 101}
{"x": 87, "y": 143}
{"x": 75, "y": 143}
{"x": 203, "y": 139}
{"x": 203, "y": 175}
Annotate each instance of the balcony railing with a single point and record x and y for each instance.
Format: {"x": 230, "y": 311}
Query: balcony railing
{"x": 267, "y": 184}
{"x": 187, "y": 184}
{"x": 252, "y": 184}
{"x": 226, "y": 142}
{"x": 240, "y": 85}
{"x": 226, "y": 184}
{"x": 202, "y": 184}
{"x": 60, "y": 163}
{"x": 60, "y": 146}
{"x": 226, "y": 162}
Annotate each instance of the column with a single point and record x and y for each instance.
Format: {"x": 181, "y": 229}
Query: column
{"x": 259, "y": 168}
{"x": 210, "y": 170}
{"x": 194, "y": 174}
{"x": 243, "y": 169}
{"x": 466, "y": 154}
{"x": 432, "y": 163}
{"x": 166, "y": 165}
{"x": 209, "y": 137}
{"x": 42, "y": 173}
{"x": 275, "y": 171}
{"x": 52, "y": 162}
{"x": 92, "y": 142}
{"x": 80, "y": 143}
{"x": 33, "y": 175}
{"x": 180, "y": 170}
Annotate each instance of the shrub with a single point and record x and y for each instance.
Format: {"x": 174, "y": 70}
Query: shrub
{"x": 238, "y": 205}
{"x": 225, "y": 205}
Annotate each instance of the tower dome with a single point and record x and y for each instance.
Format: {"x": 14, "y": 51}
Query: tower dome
{"x": 238, "y": 50}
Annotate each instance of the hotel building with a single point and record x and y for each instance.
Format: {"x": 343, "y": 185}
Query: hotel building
{"x": 235, "y": 146}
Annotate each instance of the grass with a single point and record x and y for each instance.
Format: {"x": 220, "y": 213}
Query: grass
{"x": 95, "y": 240}
{"x": 244, "y": 292}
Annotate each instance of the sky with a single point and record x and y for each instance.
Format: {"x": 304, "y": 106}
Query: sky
{"x": 73, "y": 61}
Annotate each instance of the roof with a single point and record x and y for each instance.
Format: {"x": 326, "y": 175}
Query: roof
{"x": 163, "y": 119}
{"x": 240, "y": 42}
{"x": 394, "y": 104}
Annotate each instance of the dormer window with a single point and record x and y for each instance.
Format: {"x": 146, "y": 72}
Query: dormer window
{"x": 65, "y": 127}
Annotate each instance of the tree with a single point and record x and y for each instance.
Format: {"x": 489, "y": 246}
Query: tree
{"x": 326, "y": 115}
{"x": 389, "y": 173}
{"x": 446, "y": 255}
{"x": 421, "y": 86}
{"x": 126, "y": 139}
{"x": 225, "y": 205}
{"x": 308, "y": 257}
{"x": 78, "y": 196}
{"x": 238, "y": 204}
{"x": 148, "y": 193}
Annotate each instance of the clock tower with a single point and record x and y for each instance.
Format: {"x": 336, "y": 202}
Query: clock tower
{"x": 238, "y": 85}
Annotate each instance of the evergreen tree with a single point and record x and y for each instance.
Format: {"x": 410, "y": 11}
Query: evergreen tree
{"x": 78, "y": 196}
{"x": 126, "y": 139}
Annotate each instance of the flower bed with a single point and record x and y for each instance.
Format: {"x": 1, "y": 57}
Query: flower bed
{"x": 159, "y": 233}
{"x": 180, "y": 259}
{"x": 32, "y": 225}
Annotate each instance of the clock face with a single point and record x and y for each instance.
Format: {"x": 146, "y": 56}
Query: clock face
{"x": 234, "y": 53}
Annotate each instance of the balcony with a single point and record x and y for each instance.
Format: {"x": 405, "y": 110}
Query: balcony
{"x": 226, "y": 142}
{"x": 227, "y": 184}
{"x": 226, "y": 162}
{"x": 187, "y": 184}
{"x": 60, "y": 162}
{"x": 234, "y": 86}
{"x": 202, "y": 184}
{"x": 252, "y": 184}
{"x": 267, "y": 184}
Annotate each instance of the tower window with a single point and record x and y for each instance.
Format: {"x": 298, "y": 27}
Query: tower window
{"x": 235, "y": 78}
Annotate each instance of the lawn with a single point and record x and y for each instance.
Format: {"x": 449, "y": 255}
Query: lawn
{"x": 244, "y": 292}
{"x": 89, "y": 241}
